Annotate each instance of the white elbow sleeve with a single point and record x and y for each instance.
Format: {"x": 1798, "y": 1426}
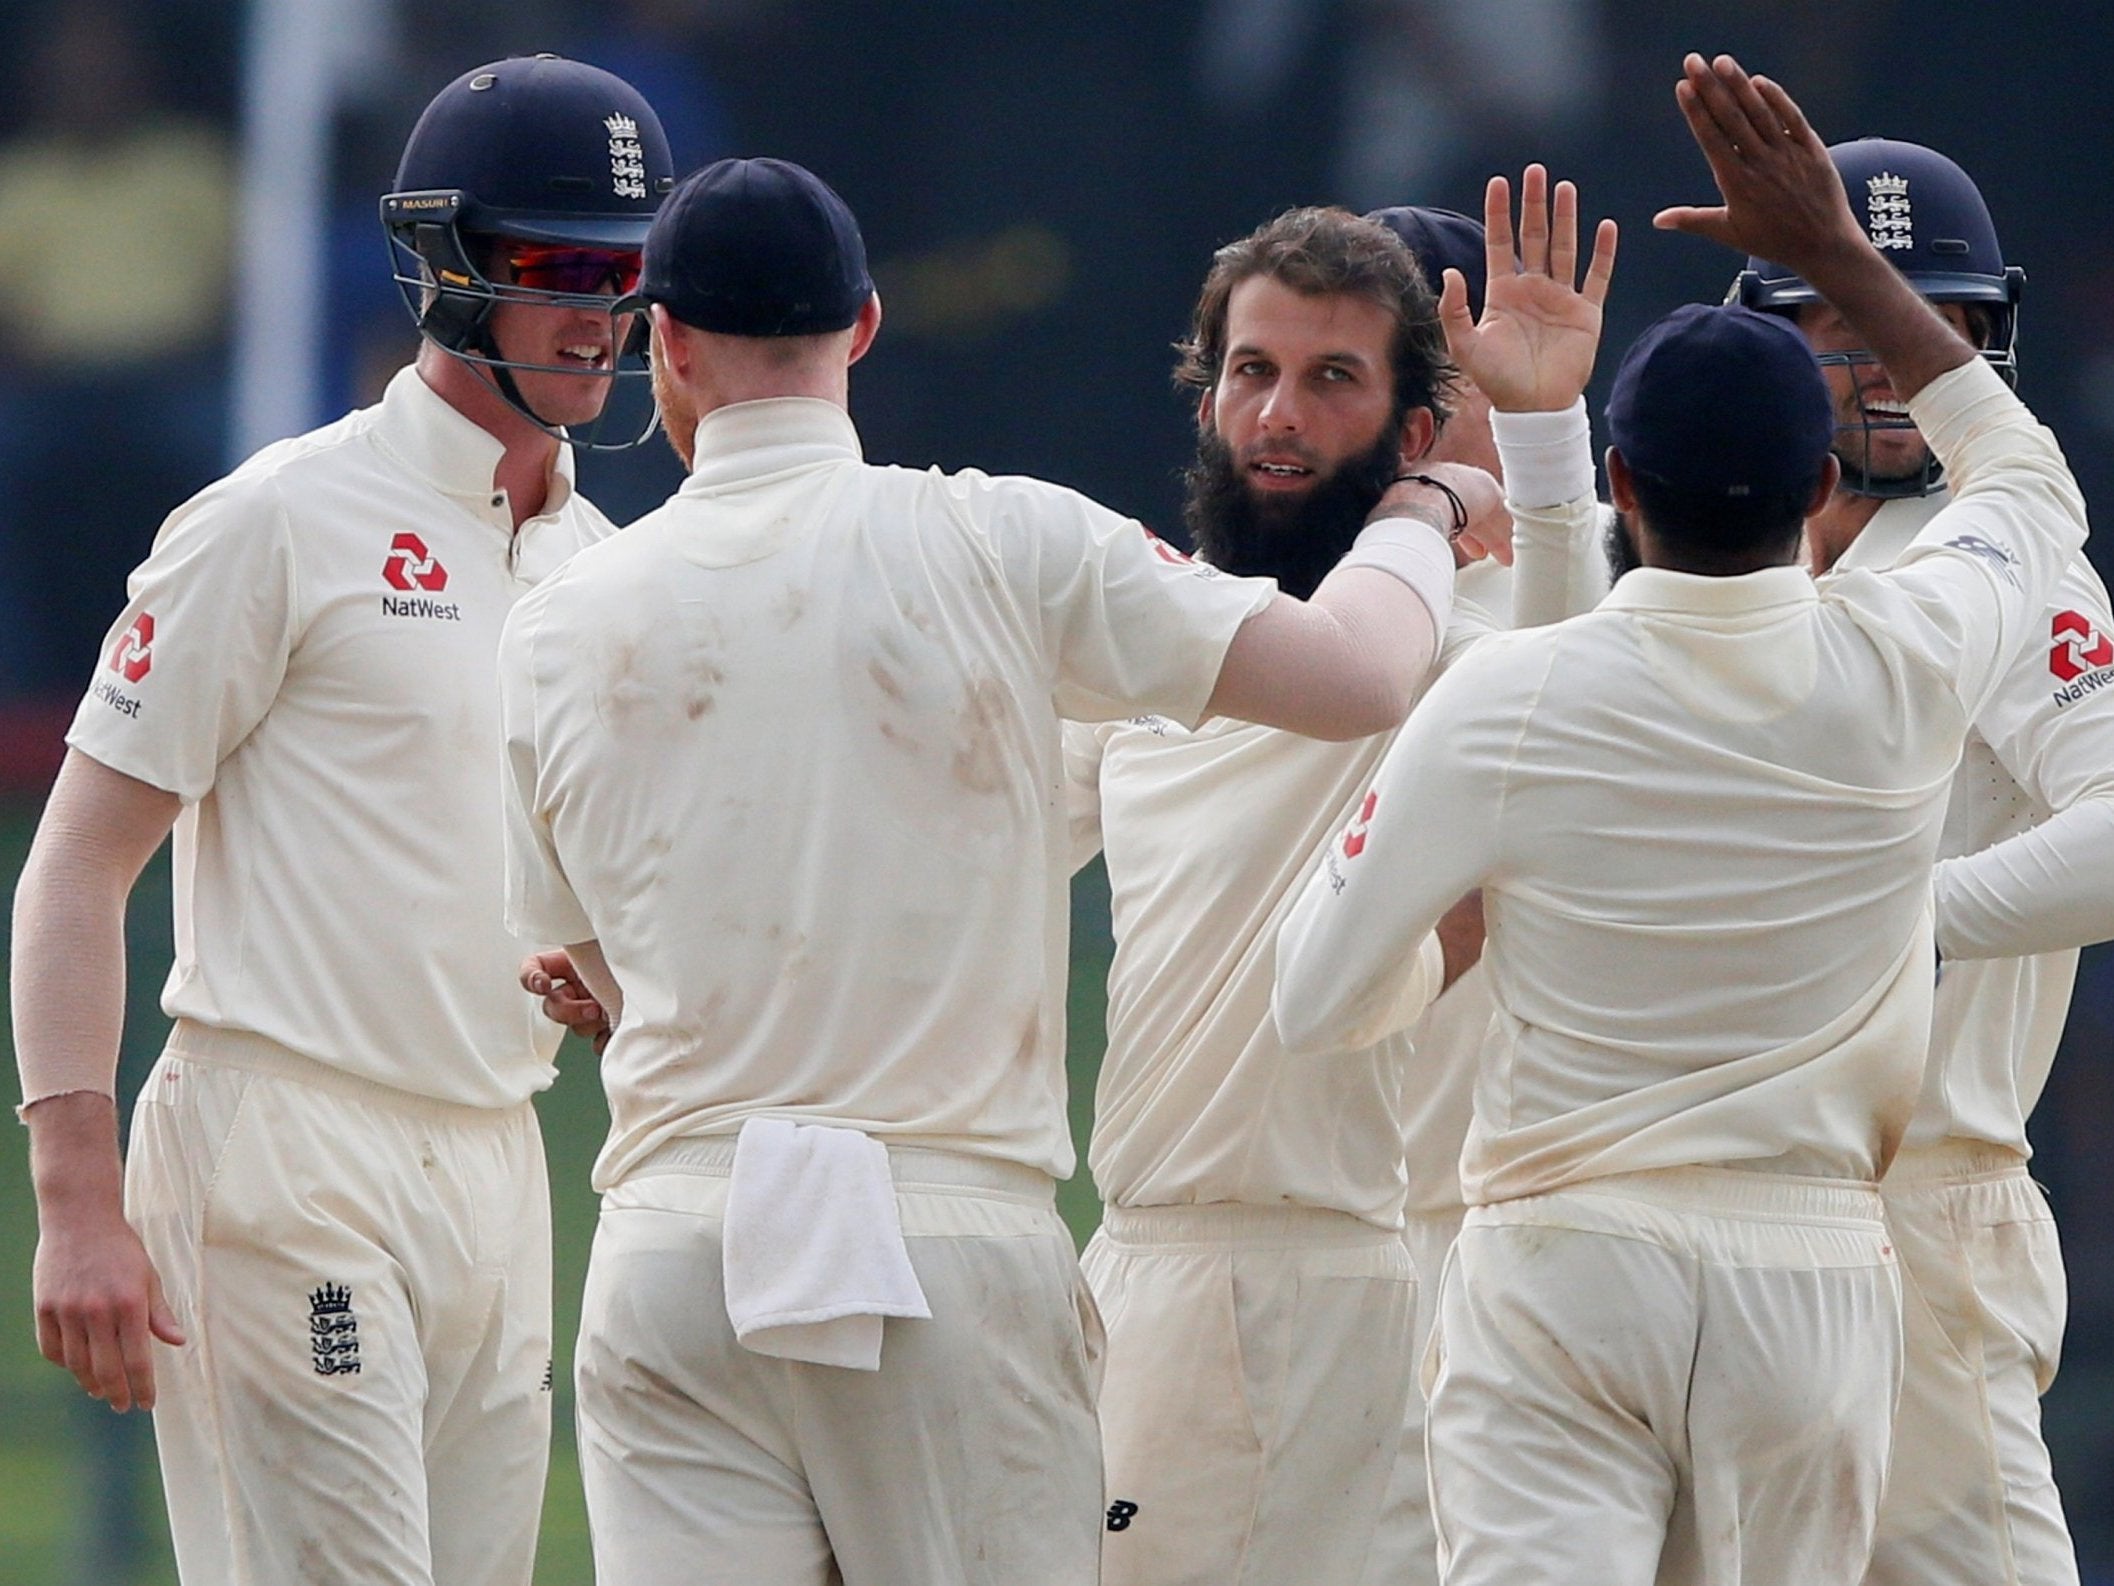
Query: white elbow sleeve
{"x": 1414, "y": 553}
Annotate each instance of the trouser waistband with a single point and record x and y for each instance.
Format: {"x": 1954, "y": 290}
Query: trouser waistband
{"x": 712, "y": 1156}
{"x": 1233, "y": 1223}
{"x": 216, "y": 1048}
{"x": 1717, "y": 1192}
{"x": 1951, "y": 1160}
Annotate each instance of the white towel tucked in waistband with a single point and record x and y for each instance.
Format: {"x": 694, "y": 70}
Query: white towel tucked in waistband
{"x": 813, "y": 1249}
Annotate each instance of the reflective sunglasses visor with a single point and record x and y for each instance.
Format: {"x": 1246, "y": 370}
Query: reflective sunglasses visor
{"x": 577, "y": 272}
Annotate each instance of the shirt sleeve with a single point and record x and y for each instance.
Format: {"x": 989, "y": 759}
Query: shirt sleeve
{"x": 1084, "y": 744}
{"x": 1557, "y": 566}
{"x": 199, "y": 653}
{"x": 1131, "y": 625}
{"x": 1355, "y": 957}
{"x": 1467, "y": 625}
{"x": 2050, "y": 721}
{"x": 540, "y": 903}
{"x": 1980, "y": 575}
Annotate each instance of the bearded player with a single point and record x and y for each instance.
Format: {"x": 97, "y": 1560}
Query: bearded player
{"x": 2025, "y": 877}
{"x": 1259, "y": 1299}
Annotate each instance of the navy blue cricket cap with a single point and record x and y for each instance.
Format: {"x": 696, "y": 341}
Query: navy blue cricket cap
{"x": 1722, "y": 401}
{"x": 1442, "y": 239}
{"x": 757, "y": 248}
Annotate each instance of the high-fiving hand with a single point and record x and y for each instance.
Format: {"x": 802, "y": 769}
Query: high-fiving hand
{"x": 1533, "y": 349}
{"x": 1783, "y": 199}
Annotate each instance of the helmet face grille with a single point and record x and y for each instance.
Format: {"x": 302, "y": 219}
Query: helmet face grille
{"x": 1926, "y": 216}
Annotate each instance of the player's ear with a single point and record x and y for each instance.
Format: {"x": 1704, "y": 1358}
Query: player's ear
{"x": 865, "y": 327}
{"x": 1830, "y": 477}
{"x": 1203, "y": 409}
{"x": 1419, "y": 431}
{"x": 669, "y": 347}
{"x": 1621, "y": 491}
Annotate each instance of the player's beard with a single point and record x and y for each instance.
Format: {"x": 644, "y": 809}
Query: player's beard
{"x": 1621, "y": 548}
{"x": 1897, "y": 465}
{"x": 1854, "y": 454}
{"x": 678, "y": 416}
{"x": 1294, "y": 539}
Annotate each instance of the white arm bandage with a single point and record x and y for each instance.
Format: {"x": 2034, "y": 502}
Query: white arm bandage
{"x": 1412, "y": 552}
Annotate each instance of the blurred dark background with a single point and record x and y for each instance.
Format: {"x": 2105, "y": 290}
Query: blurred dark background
{"x": 190, "y": 265}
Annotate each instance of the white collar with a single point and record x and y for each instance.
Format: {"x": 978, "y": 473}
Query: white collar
{"x": 1699, "y": 595}
{"x": 452, "y": 452}
{"x": 745, "y": 441}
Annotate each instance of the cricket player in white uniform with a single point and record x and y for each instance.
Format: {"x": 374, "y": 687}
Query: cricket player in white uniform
{"x": 1259, "y": 1301}
{"x": 2025, "y": 877}
{"x": 786, "y": 779}
{"x": 1558, "y": 571}
{"x": 1668, "y": 1339}
{"x": 335, "y": 1217}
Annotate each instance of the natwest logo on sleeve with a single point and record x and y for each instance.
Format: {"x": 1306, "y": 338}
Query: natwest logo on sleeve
{"x": 1361, "y": 823}
{"x": 1353, "y": 843}
{"x": 2081, "y": 657}
{"x": 2079, "y": 647}
{"x": 1161, "y": 549}
{"x": 410, "y": 566}
{"x": 132, "y": 656}
{"x": 1174, "y": 556}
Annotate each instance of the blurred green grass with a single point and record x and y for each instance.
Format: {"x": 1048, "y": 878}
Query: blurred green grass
{"x": 59, "y": 1451}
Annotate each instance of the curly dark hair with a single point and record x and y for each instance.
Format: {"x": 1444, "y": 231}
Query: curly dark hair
{"x": 1323, "y": 251}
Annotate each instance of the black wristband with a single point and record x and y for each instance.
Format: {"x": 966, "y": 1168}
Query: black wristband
{"x": 1453, "y": 499}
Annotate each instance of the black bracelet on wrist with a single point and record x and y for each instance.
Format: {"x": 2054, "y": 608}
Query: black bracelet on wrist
{"x": 1453, "y": 499}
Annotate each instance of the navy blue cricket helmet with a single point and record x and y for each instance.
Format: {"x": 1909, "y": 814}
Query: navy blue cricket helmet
{"x": 540, "y": 151}
{"x": 1927, "y": 217}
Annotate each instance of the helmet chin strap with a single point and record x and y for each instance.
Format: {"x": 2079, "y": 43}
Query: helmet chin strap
{"x": 479, "y": 350}
{"x": 501, "y": 379}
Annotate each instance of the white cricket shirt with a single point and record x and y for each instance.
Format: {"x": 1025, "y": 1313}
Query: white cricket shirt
{"x": 307, "y": 661}
{"x": 788, "y": 749}
{"x": 1704, "y": 816}
{"x": 1562, "y": 557}
{"x": 1208, "y": 836}
{"x": 2026, "y": 857}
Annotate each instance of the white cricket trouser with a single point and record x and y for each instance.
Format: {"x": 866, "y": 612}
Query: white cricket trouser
{"x": 1258, "y": 1374}
{"x": 1971, "y": 1500}
{"x": 1678, "y": 1377}
{"x": 1406, "y": 1548}
{"x": 363, "y": 1278}
{"x": 971, "y": 1456}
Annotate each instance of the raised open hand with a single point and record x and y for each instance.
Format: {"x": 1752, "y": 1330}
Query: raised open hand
{"x": 1534, "y": 346}
{"x": 1783, "y": 199}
